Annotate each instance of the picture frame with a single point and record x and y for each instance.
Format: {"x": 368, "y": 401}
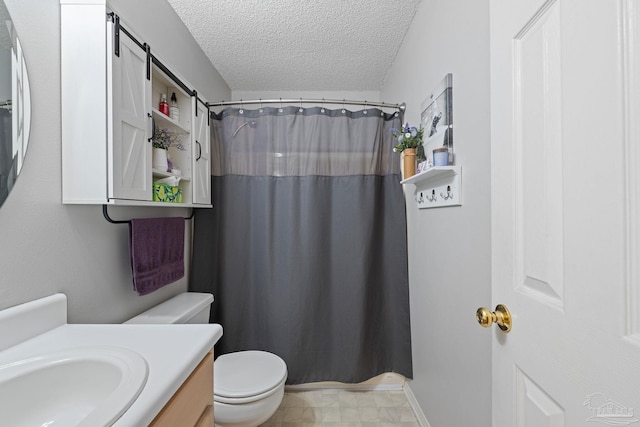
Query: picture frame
{"x": 437, "y": 120}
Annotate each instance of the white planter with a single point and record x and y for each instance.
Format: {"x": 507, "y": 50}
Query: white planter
{"x": 160, "y": 159}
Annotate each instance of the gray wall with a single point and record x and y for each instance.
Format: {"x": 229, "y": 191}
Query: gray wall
{"x": 49, "y": 247}
{"x": 5, "y": 79}
{"x": 449, "y": 248}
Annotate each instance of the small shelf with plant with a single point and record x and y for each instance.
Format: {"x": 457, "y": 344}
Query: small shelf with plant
{"x": 170, "y": 156}
{"x": 409, "y": 142}
{"x": 169, "y": 185}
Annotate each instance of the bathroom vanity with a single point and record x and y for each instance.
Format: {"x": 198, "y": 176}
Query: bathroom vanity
{"x": 192, "y": 404}
{"x": 124, "y": 375}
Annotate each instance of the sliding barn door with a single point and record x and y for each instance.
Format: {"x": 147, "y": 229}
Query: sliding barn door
{"x": 129, "y": 146}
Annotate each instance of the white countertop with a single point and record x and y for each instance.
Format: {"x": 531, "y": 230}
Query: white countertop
{"x": 172, "y": 352}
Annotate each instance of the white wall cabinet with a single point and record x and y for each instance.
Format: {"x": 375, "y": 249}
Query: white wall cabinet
{"x": 111, "y": 88}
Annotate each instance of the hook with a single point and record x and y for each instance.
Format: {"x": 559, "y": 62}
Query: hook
{"x": 240, "y": 127}
{"x": 261, "y": 110}
{"x": 449, "y": 194}
{"x": 322, "y": 109}
{"x": 280, "y": 110}
{"x": 343, "y": 102}
{"x": 300, "y": 109}
{"x": 365, "y": 110}
{"x": 241, "y": 107}
{"x": 432, "y": 197}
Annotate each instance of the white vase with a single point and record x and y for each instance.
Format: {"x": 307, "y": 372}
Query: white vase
{"x": 160, "y": 159}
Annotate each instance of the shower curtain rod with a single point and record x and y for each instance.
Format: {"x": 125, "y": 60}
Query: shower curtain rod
{"x": 400, "y": 107}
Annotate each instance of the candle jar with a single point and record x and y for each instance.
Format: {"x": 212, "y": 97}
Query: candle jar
{"x": 441, "y": 156}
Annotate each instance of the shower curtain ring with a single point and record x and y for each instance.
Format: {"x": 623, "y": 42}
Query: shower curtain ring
{"x": 280, "y": 110}
{"x": 343, "y": 103}
{"x": 300, "y": 110}
{"x": 261, "y": 110}
{"x": 365, "y": 107}
{"x": 241, "y": 107}
{"x": 322, "y": 109}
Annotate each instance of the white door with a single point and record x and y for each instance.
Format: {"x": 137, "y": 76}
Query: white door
{"x": 130, "y": 149}
{"x": 202, "y": 156}
{"x": 565, "y": 96}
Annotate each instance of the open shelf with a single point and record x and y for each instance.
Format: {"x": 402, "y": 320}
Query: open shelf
{"x": 433, "y": 173}
{"x": 164, "y": 174}
{"x": 162, "y": 121}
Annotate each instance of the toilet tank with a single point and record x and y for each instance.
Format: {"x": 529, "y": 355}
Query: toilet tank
{"x": 187, "y": 307}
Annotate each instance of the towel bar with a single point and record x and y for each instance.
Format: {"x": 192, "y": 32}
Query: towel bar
{"x": 105, "y": 213}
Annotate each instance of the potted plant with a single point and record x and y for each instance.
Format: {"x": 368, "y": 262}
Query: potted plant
{"x": 409, "y": 142}
{"x": 163, "y": 139}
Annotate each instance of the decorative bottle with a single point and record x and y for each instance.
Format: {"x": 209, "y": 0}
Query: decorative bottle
{"x": 163, "y": 107}
{"x": 174, "y": 111}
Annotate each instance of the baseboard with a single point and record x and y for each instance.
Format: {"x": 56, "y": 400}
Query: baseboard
{"x": 343, "y": 386}
{"x": 384, "y": 382}
{"x": 422, "y": 419}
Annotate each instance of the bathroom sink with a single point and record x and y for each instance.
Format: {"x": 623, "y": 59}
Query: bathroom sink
{"x": 82, "y": 387}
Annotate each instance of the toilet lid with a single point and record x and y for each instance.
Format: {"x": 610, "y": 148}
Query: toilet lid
{"x": 247, "y": 373}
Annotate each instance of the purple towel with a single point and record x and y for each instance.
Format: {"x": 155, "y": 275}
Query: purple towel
{"x": 156, "y": 248}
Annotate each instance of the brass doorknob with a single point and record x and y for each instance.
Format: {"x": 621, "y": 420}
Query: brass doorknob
{"x": 501, "y": 317}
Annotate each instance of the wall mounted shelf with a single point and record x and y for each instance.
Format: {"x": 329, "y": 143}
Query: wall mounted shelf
{"x": 437, "y": 187}
{"x": 164, "y": 174}
{"x": 432, "y": 173}
{"x": 162, "y": 120}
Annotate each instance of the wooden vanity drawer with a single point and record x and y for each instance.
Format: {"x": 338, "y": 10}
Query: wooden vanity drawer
{"x": 190, "y": 405}
{"x": 206, "y": 420}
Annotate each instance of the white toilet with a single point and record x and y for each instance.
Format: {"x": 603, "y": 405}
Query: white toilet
{"x": 248, "y": 385}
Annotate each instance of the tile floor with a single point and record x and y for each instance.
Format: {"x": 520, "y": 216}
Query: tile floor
{"x": 341, "y": 408}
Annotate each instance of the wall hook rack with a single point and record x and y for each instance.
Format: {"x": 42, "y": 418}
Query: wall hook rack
{"x": 438, "y": 186}
{"x": 105, "y": 213}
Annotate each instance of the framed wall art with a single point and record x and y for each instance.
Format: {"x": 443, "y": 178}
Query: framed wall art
{"x": 437, "y": 120}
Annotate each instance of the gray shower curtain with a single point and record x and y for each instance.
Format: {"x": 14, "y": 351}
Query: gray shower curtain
{"x": 305, "y": 249}
{"x": 7, "y": 158}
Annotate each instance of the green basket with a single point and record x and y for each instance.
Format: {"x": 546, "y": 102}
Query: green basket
{"x": 167, "y": 193}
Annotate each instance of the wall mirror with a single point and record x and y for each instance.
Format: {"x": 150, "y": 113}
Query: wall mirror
{"x": 15, "y": 105}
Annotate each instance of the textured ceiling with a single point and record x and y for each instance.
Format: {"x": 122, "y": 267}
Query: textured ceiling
{"x": 299, "y": 45}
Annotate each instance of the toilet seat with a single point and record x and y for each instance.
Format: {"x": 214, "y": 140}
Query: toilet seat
{"x": 247, "y": 376}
